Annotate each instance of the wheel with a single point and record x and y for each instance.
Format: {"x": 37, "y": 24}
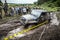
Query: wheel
{"x": 26, "y": 26}
{"x": 29, "y": 25}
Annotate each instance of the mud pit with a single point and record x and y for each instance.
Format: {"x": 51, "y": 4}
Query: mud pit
{"x": 51, "y": 32}
{"x": 8, "y": 26}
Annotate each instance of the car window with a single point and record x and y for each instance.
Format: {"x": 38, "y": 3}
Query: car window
{"x": 36, "y": 13}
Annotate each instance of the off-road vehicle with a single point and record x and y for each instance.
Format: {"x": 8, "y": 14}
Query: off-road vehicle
{"x": 36, "y": 16}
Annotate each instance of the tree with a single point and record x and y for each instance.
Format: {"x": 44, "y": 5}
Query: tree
{"x": 41, "y": 1}
{"x": 35, "y": 3}
{"x": 58, "y": 3}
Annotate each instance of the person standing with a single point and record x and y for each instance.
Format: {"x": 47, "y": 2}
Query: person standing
{"x": 19, "y": 11}
{"x": 24, "y": 10}
{"x": 5, "y": 7}
{"x": 16, "y": 9}
{"x": 12, "y": 11}
{"x": 27, "y": 9}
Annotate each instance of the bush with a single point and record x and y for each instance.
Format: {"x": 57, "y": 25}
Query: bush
{"x": 51, "y": 5}
{"x": 58, "y": 9}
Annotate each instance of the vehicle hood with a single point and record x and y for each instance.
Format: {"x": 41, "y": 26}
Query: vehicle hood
{"x": 29, "y": 17}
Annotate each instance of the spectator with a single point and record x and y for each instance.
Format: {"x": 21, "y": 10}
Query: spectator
{"x": 29, "y": 10}
{"x": 19, "y": 11}
{"x": 24, "y": 10}
{"x": 12, "y": 11}
{"x": 16, "y": 9}
{"x": 5, "y": 8}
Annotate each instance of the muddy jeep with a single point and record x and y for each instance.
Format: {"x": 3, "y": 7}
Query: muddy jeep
{"x": 36, "y": 16}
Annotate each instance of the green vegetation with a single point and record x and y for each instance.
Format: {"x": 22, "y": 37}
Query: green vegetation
{"x": 51, "y": 8}
{"x": 50, "y": 5}
{"x": 50, "y": 2}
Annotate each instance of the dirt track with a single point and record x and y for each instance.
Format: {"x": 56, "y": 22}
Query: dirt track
{"x": 52, "y": 32}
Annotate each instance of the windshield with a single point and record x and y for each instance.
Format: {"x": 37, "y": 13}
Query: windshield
{"x": 36, "y": 13}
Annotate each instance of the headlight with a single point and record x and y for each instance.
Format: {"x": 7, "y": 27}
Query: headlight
{"x": 23, "y": 20}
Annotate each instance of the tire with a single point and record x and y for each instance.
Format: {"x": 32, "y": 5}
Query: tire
{"x": 29, "y": 25}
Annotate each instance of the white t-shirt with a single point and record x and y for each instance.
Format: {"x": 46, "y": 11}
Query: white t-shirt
{"x": 24, "y": 9}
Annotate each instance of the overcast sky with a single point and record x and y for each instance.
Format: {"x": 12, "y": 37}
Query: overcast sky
{"x": 20, "y": 1}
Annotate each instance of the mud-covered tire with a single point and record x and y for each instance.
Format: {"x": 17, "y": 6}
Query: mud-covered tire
{"x": 29, "y": 25}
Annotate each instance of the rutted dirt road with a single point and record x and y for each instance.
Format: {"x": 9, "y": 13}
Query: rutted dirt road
{"x": 51, "y": 32}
